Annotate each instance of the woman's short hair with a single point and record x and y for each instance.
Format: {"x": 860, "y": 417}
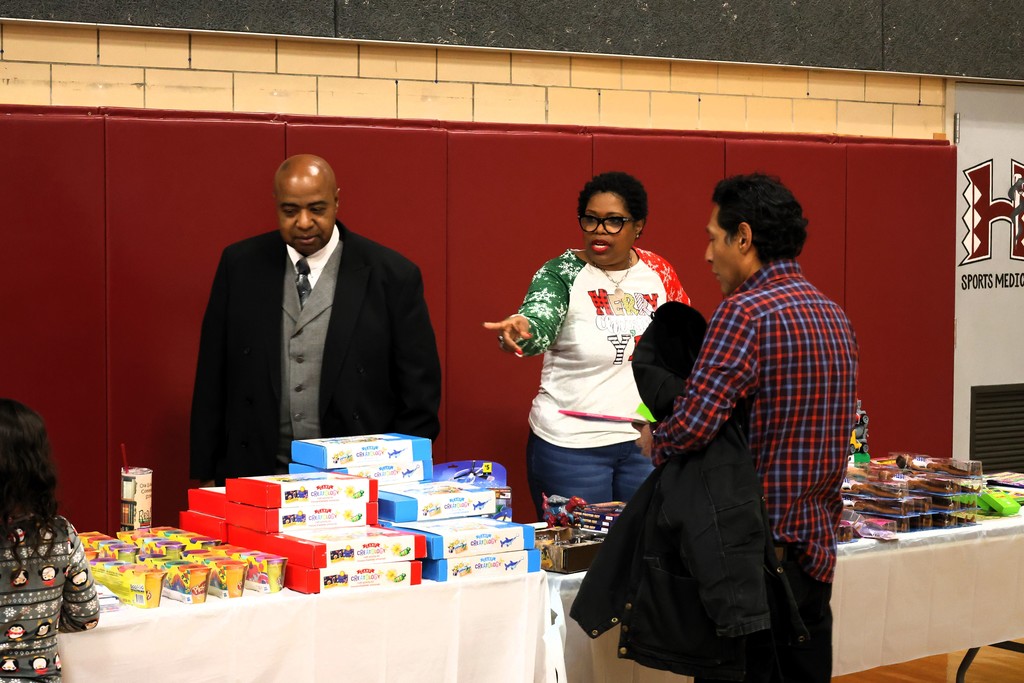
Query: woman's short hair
{"x": 626, "y": 186}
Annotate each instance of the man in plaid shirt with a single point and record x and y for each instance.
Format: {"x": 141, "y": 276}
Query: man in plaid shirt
{"x": 779, "y": 343}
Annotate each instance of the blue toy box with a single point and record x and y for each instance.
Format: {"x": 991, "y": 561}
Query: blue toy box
{"x": 349, "y": 451}
{"x": 485, "y": 473}
{"x": 385, "y": 473}
{"x": 434, "y": 500}
{"x": 496, "y": 564}
{"x": 465, "y": 536}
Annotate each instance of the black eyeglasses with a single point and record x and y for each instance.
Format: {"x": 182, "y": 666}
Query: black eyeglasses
{"x": 612, "y": 224}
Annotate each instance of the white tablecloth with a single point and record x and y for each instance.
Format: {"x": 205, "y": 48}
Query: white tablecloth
{"x": 463, "y": 631}
{"x": 927, "y": 593}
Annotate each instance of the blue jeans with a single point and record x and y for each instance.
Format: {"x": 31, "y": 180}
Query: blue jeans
{"x": 596, "y": 475}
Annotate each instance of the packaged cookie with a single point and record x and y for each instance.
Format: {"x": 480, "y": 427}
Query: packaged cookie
{"x": 917, "y": 462}
{"x": 887, "y": 506}
{"x": 877, "y": 488}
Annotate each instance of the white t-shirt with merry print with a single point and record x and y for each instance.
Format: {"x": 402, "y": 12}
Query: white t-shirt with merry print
{"x": 587, "y": 327}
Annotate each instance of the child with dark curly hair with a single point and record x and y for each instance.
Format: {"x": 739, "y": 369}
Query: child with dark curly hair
{"x": 45, "y": 582}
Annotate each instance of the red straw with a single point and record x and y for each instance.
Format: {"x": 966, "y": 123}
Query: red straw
{"x": 124, "y": 456}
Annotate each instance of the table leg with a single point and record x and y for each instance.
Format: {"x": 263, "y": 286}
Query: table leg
{"x": 1009, "y": 645}
{"x": 973, "y": 652}
{"x": 965, "y": 664}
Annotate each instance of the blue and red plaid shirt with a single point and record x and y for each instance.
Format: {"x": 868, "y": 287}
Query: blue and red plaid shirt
{"x": 792, "y": 352}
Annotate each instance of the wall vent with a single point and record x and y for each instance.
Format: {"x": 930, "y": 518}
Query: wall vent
{"x": 997, "y": 427}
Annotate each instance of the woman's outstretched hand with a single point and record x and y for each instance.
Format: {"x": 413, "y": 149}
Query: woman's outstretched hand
{"x": 511, "y": 331}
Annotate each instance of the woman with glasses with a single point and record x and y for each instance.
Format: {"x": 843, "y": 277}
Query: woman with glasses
{"x": 585, "y": 310}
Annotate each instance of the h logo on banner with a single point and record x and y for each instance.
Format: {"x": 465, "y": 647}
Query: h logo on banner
{"x": 983, "y": 211}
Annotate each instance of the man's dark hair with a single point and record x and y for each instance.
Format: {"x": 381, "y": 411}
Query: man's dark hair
{"x": 777, "y": 224}
{"x": 626, "y": 186}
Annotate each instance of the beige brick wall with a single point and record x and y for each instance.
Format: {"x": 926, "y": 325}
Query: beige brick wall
{"x": 85, "y": 65}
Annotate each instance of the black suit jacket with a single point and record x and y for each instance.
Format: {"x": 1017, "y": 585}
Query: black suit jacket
{"x": 380, "y": 373}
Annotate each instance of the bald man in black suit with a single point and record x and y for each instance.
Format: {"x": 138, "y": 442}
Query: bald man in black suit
{"x": 310, "y": 331}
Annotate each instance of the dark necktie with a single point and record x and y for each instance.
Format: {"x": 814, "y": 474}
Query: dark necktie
{"x": 302, "y": 281}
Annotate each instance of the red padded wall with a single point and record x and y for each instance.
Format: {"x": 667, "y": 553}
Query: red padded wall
{"x": 479, "y": 208}
{"x": 679, "y": 174}
{"x": 51, "y": 236}
{"x": 178, "y": 192}
{"x": 816, "y": 174}
{"x": 900, "y": 292}
{"x": 511, "y": 206}
{"x": 392, "y": 183}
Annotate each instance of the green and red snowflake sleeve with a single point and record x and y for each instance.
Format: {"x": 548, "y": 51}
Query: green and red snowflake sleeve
{"x": 547, "y": 301}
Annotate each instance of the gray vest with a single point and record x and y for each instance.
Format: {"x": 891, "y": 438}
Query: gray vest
{"x": 303, "y": 333}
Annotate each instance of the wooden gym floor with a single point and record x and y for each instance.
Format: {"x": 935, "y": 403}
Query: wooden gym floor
{"x": 992, "y": 665}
